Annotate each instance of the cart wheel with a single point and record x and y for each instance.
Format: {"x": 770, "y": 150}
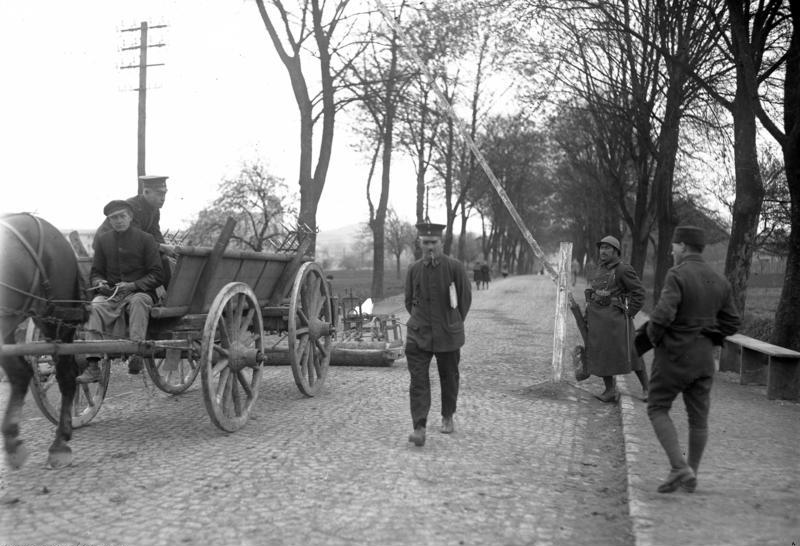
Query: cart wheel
{"x": 46, "y": 394}
{"x": 231, "y": 356}
{"x": 310, "y": 329}
{"x": 173, "y": 375}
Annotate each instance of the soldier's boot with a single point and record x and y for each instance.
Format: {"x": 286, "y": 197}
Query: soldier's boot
{"x": 611, "y": 394}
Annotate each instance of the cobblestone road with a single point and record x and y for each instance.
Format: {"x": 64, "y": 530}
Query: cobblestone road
{"x": 529, "y": 463}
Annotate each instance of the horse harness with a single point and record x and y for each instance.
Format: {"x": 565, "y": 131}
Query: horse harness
{"x": 39, "y": 279}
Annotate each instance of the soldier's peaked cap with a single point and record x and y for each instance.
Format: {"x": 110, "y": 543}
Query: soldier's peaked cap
{"x": 689, "y": 235}
{"x": 154, "y": 181}
{"x": 611, "y": 241}
{"x": 427, "y": 228}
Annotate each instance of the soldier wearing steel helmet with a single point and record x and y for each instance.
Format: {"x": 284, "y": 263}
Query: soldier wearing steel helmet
{"x": 614, "y": 296}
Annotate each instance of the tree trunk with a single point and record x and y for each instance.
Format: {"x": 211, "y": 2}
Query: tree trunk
{"x": 749, "y": 186}
{"x": 379, "y": 224}
{"x": 787, "y": 318}
{"x": 748, "y": 201}
{"x": 448, "y": 186}
{"x": 663, "y": 180}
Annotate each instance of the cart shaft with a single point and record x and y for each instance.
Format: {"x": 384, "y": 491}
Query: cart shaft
{"x": 112, "y": 346}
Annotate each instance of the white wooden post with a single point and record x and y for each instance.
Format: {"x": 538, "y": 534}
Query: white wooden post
{"x": 560, "y": 328}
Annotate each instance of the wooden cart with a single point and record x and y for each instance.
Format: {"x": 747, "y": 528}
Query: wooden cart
{"x": 224, "y": 313}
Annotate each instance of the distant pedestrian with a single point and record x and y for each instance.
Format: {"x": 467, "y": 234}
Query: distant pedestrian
{"x": 486, "y": 275}
{"x": 694, "y": 312}
{"x": 614, "y": 296}
{"x": 437, "y": 297}
{"x": 476, "y": 274}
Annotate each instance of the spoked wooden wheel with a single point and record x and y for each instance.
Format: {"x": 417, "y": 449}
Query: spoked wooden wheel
{"x": 44, "y": 387}
{"x": 174, "y": 372}
{"x": 231, "y": 356}
{"x": 310, "y": 329}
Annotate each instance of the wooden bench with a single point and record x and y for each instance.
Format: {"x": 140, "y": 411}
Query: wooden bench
{"x": 760, "y": 363}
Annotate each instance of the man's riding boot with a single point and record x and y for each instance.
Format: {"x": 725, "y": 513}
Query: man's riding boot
{"x": 92, "y": 373}
{"x": 680, "y": 474}
{"x": 697, "y": 444}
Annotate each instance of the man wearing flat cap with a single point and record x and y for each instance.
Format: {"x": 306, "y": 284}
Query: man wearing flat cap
{"x": 147, "y": 216}
{"x": 694, "y": 312}
{"x": 126, "y": 270}
{"x": 614, "y": 296}
{"x": 437, "y": 297}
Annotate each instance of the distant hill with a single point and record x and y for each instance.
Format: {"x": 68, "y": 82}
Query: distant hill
{"x": 335, "y": 241}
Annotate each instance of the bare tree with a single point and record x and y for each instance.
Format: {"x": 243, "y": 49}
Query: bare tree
{"x": 379, "y": 85}
{"x": 318, "y": 28}
{"x": 400, "y": 236}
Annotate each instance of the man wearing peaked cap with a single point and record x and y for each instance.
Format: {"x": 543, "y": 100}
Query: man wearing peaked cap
{"x": 615, "y": 295}
{"x": 695, "y": 311}
{"x": 427, "y": 229}
{"x": 437, "y": 297}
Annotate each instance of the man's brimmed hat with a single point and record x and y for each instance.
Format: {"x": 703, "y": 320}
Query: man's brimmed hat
{"x": 690, "y": 235}
{"x": 429, "y": 229}
{"x": 610, "y": 240}
{"x": 115, "y": 206}
{"x": 154, "y": 182}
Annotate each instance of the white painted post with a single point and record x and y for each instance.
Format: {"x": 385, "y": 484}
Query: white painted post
{"x": 560, "y": 329}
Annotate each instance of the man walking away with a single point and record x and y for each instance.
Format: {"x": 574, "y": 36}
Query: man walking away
{"x": 694, "y": 312}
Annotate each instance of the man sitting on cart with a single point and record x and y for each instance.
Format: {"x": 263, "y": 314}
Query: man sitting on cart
{"x": 126, "y": 270}
{"x": 146, "y": 209}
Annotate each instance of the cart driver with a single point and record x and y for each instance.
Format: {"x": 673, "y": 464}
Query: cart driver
{"x": 146, "y": 209}
{"x": 126, "y": 270}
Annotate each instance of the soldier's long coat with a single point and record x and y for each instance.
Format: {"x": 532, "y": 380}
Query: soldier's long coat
{"x": 609, "y": 346}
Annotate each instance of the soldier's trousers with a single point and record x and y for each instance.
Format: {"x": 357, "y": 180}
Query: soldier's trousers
{"x": 419, "y": 391}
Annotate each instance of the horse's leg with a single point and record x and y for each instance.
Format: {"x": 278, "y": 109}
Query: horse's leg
{"x": 60, "y": 454}
{"x": 19, "y": 376}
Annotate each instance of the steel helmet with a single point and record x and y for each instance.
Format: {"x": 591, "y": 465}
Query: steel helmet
{"x": 611, "y": 241}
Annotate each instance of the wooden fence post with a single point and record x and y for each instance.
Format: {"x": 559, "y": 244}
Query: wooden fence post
{"x": 560, "y": 329}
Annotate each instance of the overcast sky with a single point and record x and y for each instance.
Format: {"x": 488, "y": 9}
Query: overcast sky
{"x": 69, "y": 113}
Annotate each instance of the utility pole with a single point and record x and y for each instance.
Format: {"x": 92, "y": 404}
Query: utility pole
{"x": 142, "y": 66}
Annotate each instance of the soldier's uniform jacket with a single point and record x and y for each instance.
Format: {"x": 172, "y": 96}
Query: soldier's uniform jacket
{"x": 615, "y": 296}
{"x": 433, "y": 324}
{"x": 130, "y": 256}
{"x": 695, "y": 301}
{"x": 145, "y": 217}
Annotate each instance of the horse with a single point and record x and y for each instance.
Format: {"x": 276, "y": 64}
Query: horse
{"x": 39, "y": 278}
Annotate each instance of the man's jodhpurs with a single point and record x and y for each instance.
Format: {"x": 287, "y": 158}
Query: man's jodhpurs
{"x": 420, "y": 388}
